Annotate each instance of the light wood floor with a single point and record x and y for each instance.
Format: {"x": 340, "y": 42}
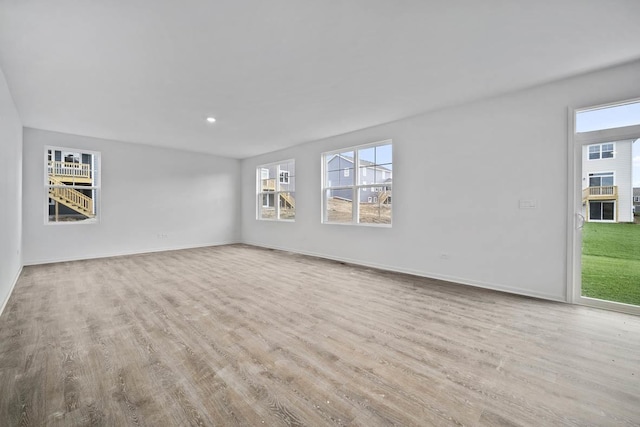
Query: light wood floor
{"x": 237, "y": 335}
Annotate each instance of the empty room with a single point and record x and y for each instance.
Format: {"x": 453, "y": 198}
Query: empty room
{"x": 310, "y": 213}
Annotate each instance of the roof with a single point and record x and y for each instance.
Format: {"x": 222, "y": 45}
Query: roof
{"x": 366, "y": 163}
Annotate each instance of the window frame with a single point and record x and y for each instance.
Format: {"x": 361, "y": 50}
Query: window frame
{"x": 601, "y": 175}
{"x": 357, "y": 185}
{"x": 278, "y": 181}
{"x": 602, "y": 203}
{"x": 600, "y": 151}
{"x": 96, "y": 186}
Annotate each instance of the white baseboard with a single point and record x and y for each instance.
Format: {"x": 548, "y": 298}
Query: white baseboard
{"x": 6, "y": 300}
{"x": 453, "y": 279}
{"x": 125, "y": 253}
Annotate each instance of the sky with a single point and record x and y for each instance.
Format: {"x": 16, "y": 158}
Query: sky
{"x": 613, "y": 117}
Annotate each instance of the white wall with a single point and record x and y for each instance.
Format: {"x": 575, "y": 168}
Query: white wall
{"x": 146, "y": 191}
{"x": 459, "y": 175}
{"x": 10, "y": 193}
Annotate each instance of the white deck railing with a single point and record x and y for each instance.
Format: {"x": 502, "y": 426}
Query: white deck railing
{"x": 76, "y": 170}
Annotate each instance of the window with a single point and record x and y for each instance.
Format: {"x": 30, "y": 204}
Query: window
{"x": 608, "y": 117}
{"x": 601, "y": 151}
{"x": 72, "y": 185}
{"x": 276, "y": 197}
{"x": 345, "y": 195}
{"x": 601, "y": 179}
{"x": 636, "y": 199}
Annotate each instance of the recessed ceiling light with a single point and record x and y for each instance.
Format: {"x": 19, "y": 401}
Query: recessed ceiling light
{"x": 211, "y": 119}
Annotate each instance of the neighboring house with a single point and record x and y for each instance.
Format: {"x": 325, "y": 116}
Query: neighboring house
{"x": 68, "y": 172}
{"x": 268, "y": 177}
{"x": 607, "y": 190}
{"x": 340, "y": 171}
{"x": 636, "y": 200}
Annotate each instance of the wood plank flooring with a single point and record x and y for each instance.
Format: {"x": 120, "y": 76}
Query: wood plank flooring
{"x": 237, "y": 335}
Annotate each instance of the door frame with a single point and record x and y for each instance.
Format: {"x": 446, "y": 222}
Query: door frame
{"x": 574, "y": 216}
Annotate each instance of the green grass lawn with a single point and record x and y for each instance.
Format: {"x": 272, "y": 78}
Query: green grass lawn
{"x": 611, "y": 262}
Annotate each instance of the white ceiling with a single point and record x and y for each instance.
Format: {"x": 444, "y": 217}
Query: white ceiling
{"x": 282, "y": 72}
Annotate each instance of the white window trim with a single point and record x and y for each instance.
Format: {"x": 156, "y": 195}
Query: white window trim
{"x": 97, "y": 178}
{"x": 355, "y": 187}
{"x": 600, "y": 175}
{"x": 613, "y": 151}
{"x": 276, "y": 198}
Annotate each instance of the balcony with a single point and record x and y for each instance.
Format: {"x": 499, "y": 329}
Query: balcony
{"x": 268, "y": 184}
{"x": 609, "y": 192}
{"x": 70, "y": 172}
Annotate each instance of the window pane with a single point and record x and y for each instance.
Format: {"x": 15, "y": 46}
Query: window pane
{"x": 287, "y": 166}
{"x": 607, "y": 211}
{"x": 332, "y": 178}
{"x": 367, "y": 156}
{"x": 287, "y": 205}
{"x": 72, "y": 168}
{"x": 345, "y": 177}
{"x": 332, "y": 162}
{"x": 290, "y": 185}
{"x": 267, "y": 205}
{"x": 383, "y": 154}
{"x": 346, "y": 159}
{"x": 383, "y": 174}
{"x": 595, "y": 211}
{"x": 268, "y": 184}
{"x": 71, "y": 204}
{"x": 374, "y": 209}
{"x": 608, "y": 117}
{"x": 339, "y": 206}
{"x": 267, "y": 178}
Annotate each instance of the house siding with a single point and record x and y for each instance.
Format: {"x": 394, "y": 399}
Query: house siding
{"x": 367, "y": 175}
